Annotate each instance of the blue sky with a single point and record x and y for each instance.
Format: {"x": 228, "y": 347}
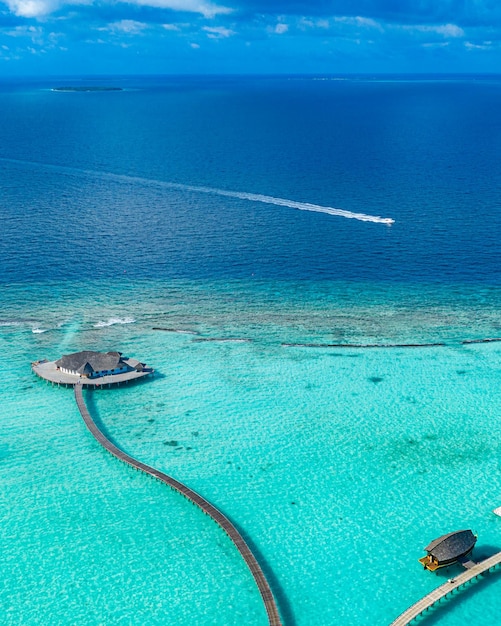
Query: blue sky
{"x": 71, "y": 37}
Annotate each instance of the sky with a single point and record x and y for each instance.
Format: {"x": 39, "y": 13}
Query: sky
{"x": 88, "y": 37}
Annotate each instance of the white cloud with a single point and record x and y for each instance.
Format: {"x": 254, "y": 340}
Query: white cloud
{"x": 129, "y": 27}
{"x": 436, "y": 44}
{"x": 32, "y": 8}
{"x": 447, "y": 30}
{"x": 218, "y": 32}
{"x": 34, "y": 33}
{"x": 365, "y": 22}
{"x": 195, "y": 46}
{"x": 53, "y": 38}
{"x": 207, "y": 9}
{"x": 478, "y": 46}
{"x": 322, "y": 23}
{"x": 280, "y": 29}
{"x": 9, "y": 55}
{"x": 32, "y": 39}
{"x": 305, "y": 23}
{"x": 40, "y": 8}
{"x": 450, "y": 30}
{"x": 171, "y": 27}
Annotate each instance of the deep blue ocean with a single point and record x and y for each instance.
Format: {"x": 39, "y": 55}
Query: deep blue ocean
{"x": 270, "y": 226}
{"x": 425, "y": 153}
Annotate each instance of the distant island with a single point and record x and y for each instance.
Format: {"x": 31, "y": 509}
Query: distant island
{"x": 83, "y": 88}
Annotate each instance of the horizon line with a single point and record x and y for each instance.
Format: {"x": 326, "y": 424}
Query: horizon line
{"x": 252, "y": 74}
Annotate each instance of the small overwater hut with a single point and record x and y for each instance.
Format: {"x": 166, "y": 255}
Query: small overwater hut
{"x": 448, "y": 549}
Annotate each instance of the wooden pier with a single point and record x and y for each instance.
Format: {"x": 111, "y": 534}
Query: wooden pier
{"x": 453, "y": 584}
{"x": 195, "y": 498}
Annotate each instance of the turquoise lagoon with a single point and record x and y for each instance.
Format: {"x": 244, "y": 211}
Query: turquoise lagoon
{"x": 337, "y": 464}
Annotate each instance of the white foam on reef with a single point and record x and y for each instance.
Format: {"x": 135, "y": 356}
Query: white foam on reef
{"x": 241, "y": 195}
{"x": 115, "y": 320}
{"x": 38, "y": 331}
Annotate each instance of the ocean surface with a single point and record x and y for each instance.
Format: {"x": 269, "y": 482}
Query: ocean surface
{"x": 303, "y": 261}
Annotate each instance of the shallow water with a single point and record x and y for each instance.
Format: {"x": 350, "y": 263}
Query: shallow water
{"x": 338, "y": 464}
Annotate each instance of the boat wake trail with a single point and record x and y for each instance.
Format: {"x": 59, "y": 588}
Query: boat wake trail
{"x": 252, "y": 197}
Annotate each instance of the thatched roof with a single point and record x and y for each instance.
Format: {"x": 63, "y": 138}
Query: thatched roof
{"x": 87, "y": 361}
{"x": 452, "y": 545}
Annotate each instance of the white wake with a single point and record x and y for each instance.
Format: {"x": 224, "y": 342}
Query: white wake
{"x": 241, "y": 195}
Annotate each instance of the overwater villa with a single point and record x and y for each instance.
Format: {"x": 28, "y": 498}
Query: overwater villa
{"x": 92, "y": 364}
{"x": 91, "y": 369}
{"x": 448, "y": 549}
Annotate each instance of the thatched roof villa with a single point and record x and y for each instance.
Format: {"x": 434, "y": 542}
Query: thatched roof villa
{"x": 91, "y": 368}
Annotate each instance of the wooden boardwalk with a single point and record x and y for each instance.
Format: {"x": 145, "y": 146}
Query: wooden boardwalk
{"x": 447, "y": 588}
{"x": 195, "y": 498}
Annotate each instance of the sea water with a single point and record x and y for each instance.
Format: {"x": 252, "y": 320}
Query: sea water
{"x": 130, "y": 221}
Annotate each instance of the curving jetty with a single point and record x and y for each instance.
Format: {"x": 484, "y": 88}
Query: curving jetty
{"x": 195, "y": 498}
{"x": 447, "y": 588}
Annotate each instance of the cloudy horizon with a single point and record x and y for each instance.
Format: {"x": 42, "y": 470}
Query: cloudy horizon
{"x": 72, "y": 37}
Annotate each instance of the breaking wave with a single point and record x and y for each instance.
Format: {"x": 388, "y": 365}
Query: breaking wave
{"x": 115, "y": 320}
